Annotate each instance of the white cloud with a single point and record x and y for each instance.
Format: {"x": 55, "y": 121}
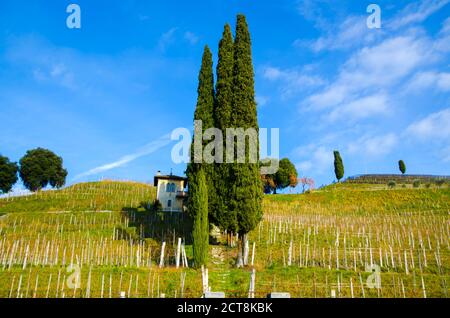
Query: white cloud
{"x": 416, "y": 12}
{"x": 318, "y": 159}
{"x": 313, "y": 10}
{"x": 363, "y": 85}
{"x": 374, "y": 145}
{"x": 144, "y": 151}
{"x": 430, "y": 79}
{"x": 350, "y": 33}
{"x": 191, "y": 37}
{"x": 167, "y": 38}
{"x": 262, "y": 100}
{"x": 361, "y": 108}
{"x": 374, "y": 67}
{"x": 434, "y": 126}
{"x": 292, "y": 80}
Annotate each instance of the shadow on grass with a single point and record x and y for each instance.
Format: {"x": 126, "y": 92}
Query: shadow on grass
{"x": 157, "y": 225}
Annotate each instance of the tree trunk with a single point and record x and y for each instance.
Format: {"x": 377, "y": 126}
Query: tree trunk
{"x": 240, "y": 254}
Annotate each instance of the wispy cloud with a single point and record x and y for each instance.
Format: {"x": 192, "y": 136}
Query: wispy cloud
{"x": 316, "y": 158}
{"x": 355, "y": 94}
{"x": 166, "y": 39}
{"x": 361, "y": 108}
{"x": 429, "y": 80}
{"x": 144, "y": 151}
{"x": 291, "y": 80}
{"x": 350, "y": 33}
{"x": 434, "y": 126}
{"x": 191, "y": 37}
{"x": 416, "y": 12}
{"x": 374, "y": 145}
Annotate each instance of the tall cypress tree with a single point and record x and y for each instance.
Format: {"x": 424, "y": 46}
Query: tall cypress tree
{"x": 199, "y": 195}
{"x": 338, "y": 166}
{"x": 402, "y": 166}
{"x": 204, "y": 112}
{"x": 246, "y": 191}
{"x": 225, "y": 218}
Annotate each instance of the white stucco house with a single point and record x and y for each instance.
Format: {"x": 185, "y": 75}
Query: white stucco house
{"x": 170, "y": 192}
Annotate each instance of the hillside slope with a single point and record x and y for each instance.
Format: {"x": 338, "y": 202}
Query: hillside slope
{"x": 92, "y": 196}
{"x": 310, "y": 245}
{"x": 365, "y": 198}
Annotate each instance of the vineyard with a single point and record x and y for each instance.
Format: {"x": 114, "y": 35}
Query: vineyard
{"x": 341, "y": 241}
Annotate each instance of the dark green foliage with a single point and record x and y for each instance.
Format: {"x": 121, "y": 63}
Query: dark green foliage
{"x": 205, "y": 101}
{"x": 41, "y": 167}
{"x": 156, "y": 206}
{"x": 224, "y": 85}
{"x": 402, "y": 166}
{"x": 246, "y": 189}
{"x": 204, "y": 112}
{"x": 392, "y": 184}
{"x": 199, "y": 194}
{"x": 225, "y": 218}
{"x": 285, "y": 173}
{"x": 282, "y": 179}
{"x": 338, "y": 166}
{"x": 440, "y": 182}
{"x": 416, "y": 183}
{"x": 8, "y": 174}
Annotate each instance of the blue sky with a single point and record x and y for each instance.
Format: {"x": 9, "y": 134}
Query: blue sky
{"x": 105, "y": 97}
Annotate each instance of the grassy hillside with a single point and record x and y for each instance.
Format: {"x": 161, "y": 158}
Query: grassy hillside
{"x": 309, "y": 245}
{"x": 93, "y": 196}
{"x": 367, "y": 198}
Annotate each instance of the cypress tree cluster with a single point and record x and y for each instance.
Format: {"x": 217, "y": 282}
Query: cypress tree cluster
{"x": 234, "y": 189}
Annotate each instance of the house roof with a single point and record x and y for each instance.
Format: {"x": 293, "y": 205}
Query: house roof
{"x": 168, "y": 177}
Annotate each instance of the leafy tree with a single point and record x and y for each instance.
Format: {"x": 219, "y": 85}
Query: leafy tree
{"x": 226, "y": 218}
{"x": 293, "y": 181}
{"x": 268, "y": 183}
{"x": 338, "y": 166}
{"x": 307, "y": 182}
{"x": 392, "y": 184}
{"x": 286, "y": 176}
{"x": 246, "y": 194}
{"x": 402, "y": 166}
{"x": 204, "y": 112}
{"x": 41, "y": 167}
{"x": 8, "y": 174}
{"x": 199, "y": 194}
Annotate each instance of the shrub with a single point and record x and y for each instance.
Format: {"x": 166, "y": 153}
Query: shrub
{"x": 440, "y": 182}
{"x": 428, "y": 185}
{"x": 392, "y": 184}
{"x": 416, "y": 183}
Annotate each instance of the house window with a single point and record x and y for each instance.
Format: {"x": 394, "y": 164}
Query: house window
{"x": 171, "y": 187}
{"x": 169, "y": 203}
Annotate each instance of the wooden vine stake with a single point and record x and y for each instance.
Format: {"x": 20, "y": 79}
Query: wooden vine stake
{"x": 251, "y": 291}
{"x": 161, "y": 260}
{"x": 178, "y": 253}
